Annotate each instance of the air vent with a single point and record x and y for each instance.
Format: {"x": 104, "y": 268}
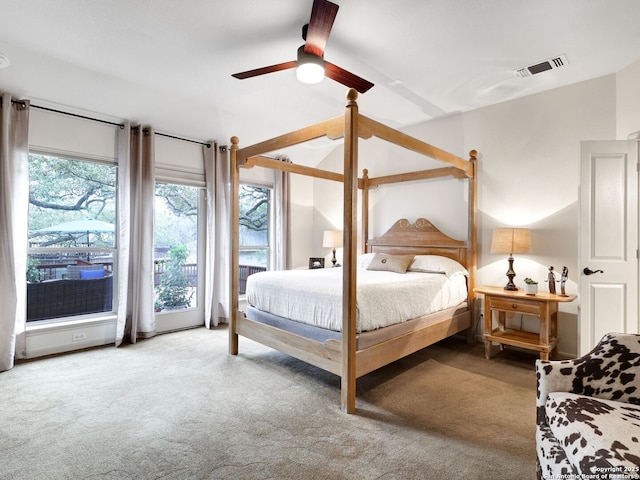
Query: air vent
{"x": 543, "y": 66}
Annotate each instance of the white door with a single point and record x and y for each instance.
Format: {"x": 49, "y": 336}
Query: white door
{"x": 608, "y": 259}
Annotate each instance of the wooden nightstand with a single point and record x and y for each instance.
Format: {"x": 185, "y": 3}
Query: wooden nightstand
{"x": 543, "y": 305}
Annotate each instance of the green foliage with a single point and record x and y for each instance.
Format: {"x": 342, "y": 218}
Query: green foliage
{"x": 61, "y": 190}
{"x": 530, "y": 281}
{"x": 33, "y": 275}
{"x": 180, "y": 199}
{"x": 176, "y": 214}
{"x": 71, "y": 186}
{"x": 173, "y": 290}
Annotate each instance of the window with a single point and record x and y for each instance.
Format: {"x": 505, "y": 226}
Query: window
{"x": 255, "y": 221}
{"x": 72, "y": 237}
{"x": 176, "y": 246}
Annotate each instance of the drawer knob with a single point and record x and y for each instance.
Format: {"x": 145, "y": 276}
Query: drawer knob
{"x": 514, "y": 306}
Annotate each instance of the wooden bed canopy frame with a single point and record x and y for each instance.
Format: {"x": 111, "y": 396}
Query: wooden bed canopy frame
{"x": 341, "y": 356}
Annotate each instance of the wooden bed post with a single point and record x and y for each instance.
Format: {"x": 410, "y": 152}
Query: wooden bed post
{"x": 473, "y": 238}
{"x": 235, "y": 235}
{"x": 350, "y": 231}
{"x": 365, "y": 210}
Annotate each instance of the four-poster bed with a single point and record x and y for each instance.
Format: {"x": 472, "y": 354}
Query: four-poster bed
{"x": 353, "y": 354}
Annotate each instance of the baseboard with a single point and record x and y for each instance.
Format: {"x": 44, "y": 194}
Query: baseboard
{"x": 52, "y": 337}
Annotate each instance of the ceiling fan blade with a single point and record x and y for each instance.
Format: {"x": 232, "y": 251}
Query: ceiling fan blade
{"x": 323, "y": 13}
{"x": 349, "y": 79}
{"x": 261, "y": 71}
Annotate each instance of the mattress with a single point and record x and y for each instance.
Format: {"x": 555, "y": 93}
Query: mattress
{"x": 314, "y": 297}
{"x": 363, "y": 339}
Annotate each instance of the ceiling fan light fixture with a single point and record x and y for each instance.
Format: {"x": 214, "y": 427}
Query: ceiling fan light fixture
{"x": 310, "y": 67}
{"x": 310, "y": 72}
{"x": 310, "y": 64}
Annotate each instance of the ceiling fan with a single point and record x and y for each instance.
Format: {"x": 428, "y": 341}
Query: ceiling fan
{"x": 311, "y": 65}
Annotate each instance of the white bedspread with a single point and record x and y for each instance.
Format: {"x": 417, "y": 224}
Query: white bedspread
{"x": 383, "y": 298}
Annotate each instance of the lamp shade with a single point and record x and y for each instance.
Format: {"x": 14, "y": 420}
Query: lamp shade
{"x": 332, "y": 239}
{"x": 511, "y": 240}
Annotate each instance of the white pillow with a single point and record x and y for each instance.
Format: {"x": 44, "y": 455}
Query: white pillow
{"x": 437, "y": 264}
{"x": 364, "y": 260}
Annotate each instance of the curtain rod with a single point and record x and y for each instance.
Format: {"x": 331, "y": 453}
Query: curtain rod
{"x": 208, "y": 145}
{"x": 76, "y": 115}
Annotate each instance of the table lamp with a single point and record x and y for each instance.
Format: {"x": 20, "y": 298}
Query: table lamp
{"x": 511, "y": 240}
{"x": 332, "y": 239}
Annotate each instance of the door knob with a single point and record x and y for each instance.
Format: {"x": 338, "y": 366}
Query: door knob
{"x": 588, "y": 271}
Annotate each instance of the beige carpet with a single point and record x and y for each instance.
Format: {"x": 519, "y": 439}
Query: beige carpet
{"x": 178, "y": 407}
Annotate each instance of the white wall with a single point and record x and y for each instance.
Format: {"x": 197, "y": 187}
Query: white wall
{"x": 443, "y": 202}
{"x": 628, "y": 100}
{"x": 302, "y": 221}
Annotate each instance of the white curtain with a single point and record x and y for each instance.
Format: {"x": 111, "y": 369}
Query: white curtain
{"x": 282, "y": 206}
{"x": 14, "y": 210}
{"x": 217, "y": 289}
{"x": 136, "y": 195}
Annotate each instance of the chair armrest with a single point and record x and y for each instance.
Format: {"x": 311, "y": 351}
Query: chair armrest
{"x": 551, "y": 376}
{"x": 610, "y": 371}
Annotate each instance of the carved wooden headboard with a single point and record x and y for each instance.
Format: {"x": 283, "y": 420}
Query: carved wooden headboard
{"x": 419, "y": 238}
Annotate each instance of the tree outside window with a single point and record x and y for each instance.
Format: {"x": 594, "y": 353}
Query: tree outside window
{"x": 255, "y": 220}
{"x": 254, "y": 225}
{"x": 176, "y": 246}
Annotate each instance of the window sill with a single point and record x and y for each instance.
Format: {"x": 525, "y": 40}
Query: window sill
{"x": 70, "y": 322}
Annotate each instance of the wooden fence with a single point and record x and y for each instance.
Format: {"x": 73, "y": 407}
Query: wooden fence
{"x": 52, "y": 271}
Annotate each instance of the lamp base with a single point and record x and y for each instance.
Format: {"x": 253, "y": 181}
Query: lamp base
{"x": 510, "y": 274}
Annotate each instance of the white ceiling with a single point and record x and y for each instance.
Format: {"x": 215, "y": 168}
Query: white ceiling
{"x": 168, "y": 63}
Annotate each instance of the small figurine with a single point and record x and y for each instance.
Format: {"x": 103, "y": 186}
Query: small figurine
{"x": 552, "y": 280}
{"x": 563, "y": 280}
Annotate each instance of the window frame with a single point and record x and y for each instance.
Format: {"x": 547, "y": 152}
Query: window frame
{"x": 270, "y": 233}
{"x": 113, "y": 250}
{"x": 170, "y": 320}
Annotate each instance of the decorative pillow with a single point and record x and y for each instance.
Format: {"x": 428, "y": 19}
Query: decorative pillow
{"x": 90, "y": 274}
{"x": 437, "y": 264}
{"x": 390, "y": 263}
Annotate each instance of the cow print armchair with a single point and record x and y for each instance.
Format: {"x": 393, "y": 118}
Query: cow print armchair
{"x": 588, "y": 412}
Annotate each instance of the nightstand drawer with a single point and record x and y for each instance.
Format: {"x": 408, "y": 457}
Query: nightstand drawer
{"x": 515, "y": 305}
